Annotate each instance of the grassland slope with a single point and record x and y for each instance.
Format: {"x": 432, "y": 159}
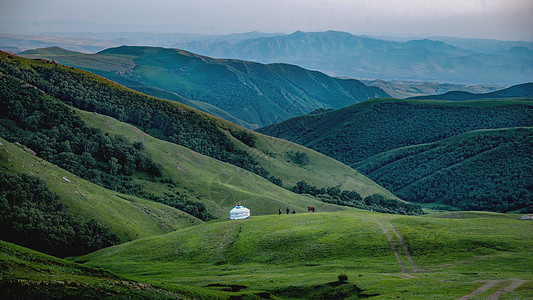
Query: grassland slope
{"x": 441, "y": 257}
{"x": 180, "y": 124}
{"x": 127, "y": 216}
{"x": 28, "y": 274}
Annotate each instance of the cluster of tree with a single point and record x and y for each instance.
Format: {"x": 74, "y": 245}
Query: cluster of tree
{"x": 298, "y": 157}
{"x": 375, "y": 202}
{"x": 179, "y": 201}
{"x": 244, "y": 136}
{"x": 56, "y": 134}
{"x": 483, "y": 170}
{"x": 32, "y": 216}
{"x": 174, "y": 123}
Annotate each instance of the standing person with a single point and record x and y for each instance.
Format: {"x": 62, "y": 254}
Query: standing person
{"x": 280, "y": 210}
{"x": 288, "y": 210}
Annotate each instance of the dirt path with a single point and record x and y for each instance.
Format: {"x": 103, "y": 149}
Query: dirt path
{"x": 480, "y": 290}
{"x": 515, "y": 283}
{"x": 393, "y": 246}
{"x": 411, "y": 260}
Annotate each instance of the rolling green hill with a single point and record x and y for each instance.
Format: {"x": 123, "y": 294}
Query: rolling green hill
{"x": 185, "y": 178}
{"x": 28, "y": 274}
{"x": 127, "y": 216}
{"x": 477, "y": 170}
{"x": 443, "y": 256}
{"x": 360, "y": 131}
{"x": 253, "y": 94}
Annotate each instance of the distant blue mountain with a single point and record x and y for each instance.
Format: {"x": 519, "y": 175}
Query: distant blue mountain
{"x": 343, "y": 54}
{"x": 516, "y": 91}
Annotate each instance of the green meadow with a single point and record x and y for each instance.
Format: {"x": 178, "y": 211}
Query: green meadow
{"x": 437, "y": 256}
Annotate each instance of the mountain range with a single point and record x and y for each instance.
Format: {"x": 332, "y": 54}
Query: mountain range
{"x": 246, "y": 93}
{"x": 135, "y": 191}
{"x": 517, "y": 91}
{"x": 343, "y": 54}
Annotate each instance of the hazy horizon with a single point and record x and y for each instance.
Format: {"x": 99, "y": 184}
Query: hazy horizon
{"x": 483, "y": 19}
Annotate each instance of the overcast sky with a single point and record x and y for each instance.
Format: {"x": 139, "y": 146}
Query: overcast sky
{"x": 498, "y": 19}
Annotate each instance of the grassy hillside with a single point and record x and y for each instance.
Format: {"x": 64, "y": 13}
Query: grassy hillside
{"x": 28, "y": 274}
{"x": 360, "y": 131}
{"x": 483, "y": 169}
{"x": 186, "y": 175}
{"x": 127, "y": 216}
{"x": 251, "y": 94}
{"x": 440, "y": 257}
{"x": 200, "y": 178}
{"x": 516, "y": 91}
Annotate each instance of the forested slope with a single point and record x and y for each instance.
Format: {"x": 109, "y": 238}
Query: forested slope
{"x": 478, "y": 170}
{"x": 38, "y": 115}
{"x": 433, "y": 157}
{"x": 250, "y": 94}
{"x": 360, "y": 131}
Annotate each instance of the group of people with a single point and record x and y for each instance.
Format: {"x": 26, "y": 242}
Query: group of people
{"x": 309, "y": 208}
{"x": 288, "y": 211}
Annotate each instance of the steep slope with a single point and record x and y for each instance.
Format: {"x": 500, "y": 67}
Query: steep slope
{"x": 28, "y": 274}
{"x": 184, "y": 174}
{"x": 356, "y": 134}
{"x": 127, "y": 216}
{"x": 253, "y": 93}
{"x": 360, "y": 131}
{"x": 515, "y": 91}
{"x": 389, "y": 255}
{"x": 478, "y": 170}
{"x": 200, "y": 178}
{"x": 342, "y": 54}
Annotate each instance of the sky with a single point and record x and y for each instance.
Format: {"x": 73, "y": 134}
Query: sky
{"x": 496, "y": 19}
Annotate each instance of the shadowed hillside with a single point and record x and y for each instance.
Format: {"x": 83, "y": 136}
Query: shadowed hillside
{"x": 478, "y": 170}
{"x": 250, "y": 94}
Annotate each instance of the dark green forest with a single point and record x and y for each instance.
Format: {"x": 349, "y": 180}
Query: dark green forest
{"x": 52, "y": 130}
{"x": 32, "y": 216}
{"x": 170, "y": 122}
{"x": 360, "y": 131}
{"x": 480, "y": 170}
{"x": 397, "y": 143}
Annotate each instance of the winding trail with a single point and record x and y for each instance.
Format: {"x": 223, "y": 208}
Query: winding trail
{"x": 404, "y": 246}
{"x": 515, "y": 283}
{"x": 393, "y": 246}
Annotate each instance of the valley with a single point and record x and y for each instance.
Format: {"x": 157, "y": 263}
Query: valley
{"x": 118, "y": 169}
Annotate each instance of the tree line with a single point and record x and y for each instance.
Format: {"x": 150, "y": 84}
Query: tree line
{"x": 375, "y": 202}
{"x": 33, "y": 216}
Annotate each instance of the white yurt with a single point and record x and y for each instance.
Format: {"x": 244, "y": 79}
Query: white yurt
{"x": 239, "y": 212}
